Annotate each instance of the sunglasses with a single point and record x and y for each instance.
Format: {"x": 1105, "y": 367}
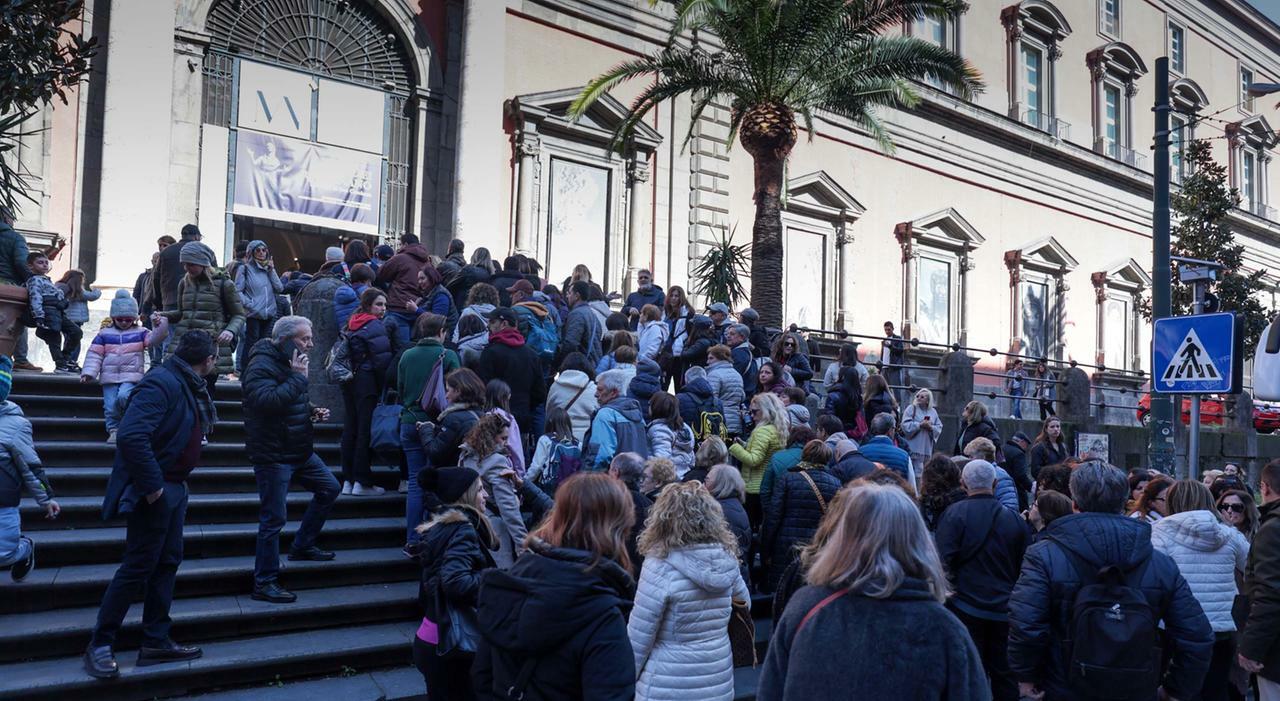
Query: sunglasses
{"x": 1233, "y": 508}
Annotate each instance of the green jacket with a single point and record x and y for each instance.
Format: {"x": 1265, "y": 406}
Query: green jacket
{"x": 413, "y": 372}
{"x": 760, "y": 447}
{"x": 13, "y": 256}
{"x": 210, "y": 304}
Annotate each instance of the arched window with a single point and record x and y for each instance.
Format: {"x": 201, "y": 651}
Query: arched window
{"x": 1034, "y": 29}
{"x": 1187, "y": 99}
{"x": 1115, "y": 69}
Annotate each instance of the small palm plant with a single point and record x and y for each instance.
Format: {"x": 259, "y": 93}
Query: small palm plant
{"x": 718, "y": 276}
{"x": 779, "y": 61}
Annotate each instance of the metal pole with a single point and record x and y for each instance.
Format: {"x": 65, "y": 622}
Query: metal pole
{"x": 1193, "y": 441}
{"x": 1161, "y": 439}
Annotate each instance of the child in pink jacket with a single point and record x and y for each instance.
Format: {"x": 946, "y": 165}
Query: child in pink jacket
{"x": 117, "y": 357}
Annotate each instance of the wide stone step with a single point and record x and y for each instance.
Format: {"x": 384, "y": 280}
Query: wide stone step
{"x": 85, "y": 546}
{"x": 92, "y": 481}
{"x": 216, "y": 454}
{"x": 86, "y": 512}
{"x": 244, "y": 660}
{"x": 90, "y": 407}
{"x": 390, "y": 684}
{"x": 70, "y": 428}
{"x": 66, "y": 631}
{"x": 71, "y": 386}
{"x": 83, "y": 585}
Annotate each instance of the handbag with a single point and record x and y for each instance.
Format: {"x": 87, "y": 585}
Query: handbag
{"x": 742, "y": 635}
{"x": 384, "y": 429}
{"x": 458, "y": 628}
{"x": 433, "y": 393}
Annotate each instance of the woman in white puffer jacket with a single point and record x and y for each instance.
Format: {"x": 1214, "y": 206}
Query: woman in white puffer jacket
{"x": 679, "y": 628}
{"x": 1208, "y": 553}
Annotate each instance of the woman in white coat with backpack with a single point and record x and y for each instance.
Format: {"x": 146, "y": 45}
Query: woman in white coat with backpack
{"x": 922, "y": 426}
{"x": 1208, "y": 553}
{"x": 679, "y": 628}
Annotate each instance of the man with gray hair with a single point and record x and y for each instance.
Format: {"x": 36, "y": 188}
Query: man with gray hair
{"x": 738, "y": 338}
{"x": 1094, "y": 546}
{"x": 278, "y": 417}
{"x": 617, "y": 426}
{"x": 981, "y": 544}
{"x": 628, "y": 468}
{"x": 879, "y": 447}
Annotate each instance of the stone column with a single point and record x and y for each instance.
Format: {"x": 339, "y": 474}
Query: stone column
{"x": 528, "y": 146}
{"x": 1099, "y": 281}
{"x": 966, "y": 265}
{"x": 844, "y": 298}
{"x": 1013, "y": 261}
{"x": 903, "y": 232}
{"x": 136, "y": 128}
{"x": 638, "y": 175}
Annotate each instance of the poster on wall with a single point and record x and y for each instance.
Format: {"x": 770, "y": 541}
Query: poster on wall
{"x": 1093, "y": 446}
{"x": 806, "y": 277}
{"x": 578, "y": 225}
{"x": 306, "y": 183}
{"x": 933, "y": 301}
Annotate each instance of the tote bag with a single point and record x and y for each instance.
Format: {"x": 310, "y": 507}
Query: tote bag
{"x": 384, "y": 429}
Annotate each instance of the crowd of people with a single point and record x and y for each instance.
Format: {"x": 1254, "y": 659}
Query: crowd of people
{"x": 597, "y": 487}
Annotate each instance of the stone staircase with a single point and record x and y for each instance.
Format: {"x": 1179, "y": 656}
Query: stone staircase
{"x": 354, "y": 619}
{"x": 348, "y": 636}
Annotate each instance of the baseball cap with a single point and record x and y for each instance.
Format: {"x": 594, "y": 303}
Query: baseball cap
{"x": 522, "y": 286}
{"x": 506, "y": 314}
{"x": 719, "y": 308}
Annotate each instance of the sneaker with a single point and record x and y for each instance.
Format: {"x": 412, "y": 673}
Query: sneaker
{"x": 359, "y": 490}
{"x": 346, "y": 488}
{"x": 73, "y": 366}
{"x": 22, "y": 568}
{"x": 26, "y": 366}
{"x": 404, "y": 487}
{"x": 62, "y": 370}
{"x": 111, "y": 438}
{"x": 204, "y": 440}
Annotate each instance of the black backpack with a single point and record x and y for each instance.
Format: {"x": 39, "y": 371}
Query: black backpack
{"x": 1113, "y": 651}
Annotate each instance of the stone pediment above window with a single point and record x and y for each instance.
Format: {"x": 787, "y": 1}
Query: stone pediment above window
{"x": 547, "y": 113}
{"x": 1187, "y": 96}
{"x": 1046, "y": 255}
{"x": 1038, "y": 17}
{"x": 947, "y": 229}
{"x": 818, "y": 195}
{"x": 1117, "y": 59}
{"x": 1255, "y": 131}
{"x": 1126, "y": 274}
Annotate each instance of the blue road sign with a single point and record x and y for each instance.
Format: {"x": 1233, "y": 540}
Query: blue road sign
{"x": 1198, "y": 354}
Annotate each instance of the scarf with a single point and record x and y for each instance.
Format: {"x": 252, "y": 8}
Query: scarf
{"x": 199, "y": 391}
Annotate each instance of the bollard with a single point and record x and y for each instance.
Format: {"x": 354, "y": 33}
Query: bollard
{"x": 13, "y": 302}
{"x": 1074, "y": 397}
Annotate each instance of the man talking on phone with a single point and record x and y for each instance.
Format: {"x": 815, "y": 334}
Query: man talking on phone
{"x": 278, "y": 417}
{"x": 157, "y": 447}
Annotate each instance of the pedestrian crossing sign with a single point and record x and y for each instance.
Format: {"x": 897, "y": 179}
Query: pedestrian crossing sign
{"x": 1199, "y": 354}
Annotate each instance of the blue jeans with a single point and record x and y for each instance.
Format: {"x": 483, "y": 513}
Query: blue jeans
{"x": 114, "y": 398}
{"x": 416, "y": 458}
{"x": 152, "y": 553}
{"x": 273, "y": 490}
{"x": 1017, "y": 403}
{"x": 12, "y": 547}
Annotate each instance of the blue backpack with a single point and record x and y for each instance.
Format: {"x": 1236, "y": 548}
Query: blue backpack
{"x": 565, "y": 461}
{"x": 539, "y": 334}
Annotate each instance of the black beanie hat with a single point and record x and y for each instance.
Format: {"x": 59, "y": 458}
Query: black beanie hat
{"x": 447, "y": 483}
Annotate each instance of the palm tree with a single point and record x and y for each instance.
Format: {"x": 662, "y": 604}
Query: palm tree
{"x": 780, "y": 59}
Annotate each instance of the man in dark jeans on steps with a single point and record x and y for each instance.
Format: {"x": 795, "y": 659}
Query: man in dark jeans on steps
{"x": 278, "y": 417}
{"x": 158, "y": 445}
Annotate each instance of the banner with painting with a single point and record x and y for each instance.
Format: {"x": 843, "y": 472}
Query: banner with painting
{"x": 307, "y": 183}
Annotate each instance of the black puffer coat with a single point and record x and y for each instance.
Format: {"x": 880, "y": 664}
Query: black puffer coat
{"x": 736, "y": 516}
{"x": 277, "y": 410}
{"x": 791, "y": 518}
{"x": 371, "y": 354}
{"x": 1045, "y": 453}
{"x": 882, "y": 403}
{"x": 453, "y": 425}
{"x": 565, "y": 609}
{"x": 453, "y": 554}
{"x": 982, "y": 429}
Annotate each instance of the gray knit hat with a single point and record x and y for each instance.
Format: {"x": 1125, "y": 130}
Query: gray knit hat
{"x": 333, "y": 254}
{"x": 123, "y": 304}
{"x": 197, "y": 253}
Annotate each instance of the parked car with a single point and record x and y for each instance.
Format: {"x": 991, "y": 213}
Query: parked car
{"x": 1213, "y": 412}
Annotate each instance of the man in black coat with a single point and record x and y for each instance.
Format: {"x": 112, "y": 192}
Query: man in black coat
{"x": 157, "y": 448}
{"x": 981, "y": 544}
{"x": 507, "y": 277}
{"x": 278, "y": 417}
{"x": 1015, "y": 463}
{"x": 507, "y": 358}
{"x": 1260, "y": 642}
{"x": 1098, "y": 536}
{"x": 169, "y": 271}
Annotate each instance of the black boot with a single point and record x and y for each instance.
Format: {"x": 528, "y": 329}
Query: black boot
{"x": 100, "y": 663}
{"x": 273, "y": 593}
{"x": 311, "y": 553}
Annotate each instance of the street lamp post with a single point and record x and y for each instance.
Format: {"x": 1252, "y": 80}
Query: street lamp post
{"x": 1161, "y": 448}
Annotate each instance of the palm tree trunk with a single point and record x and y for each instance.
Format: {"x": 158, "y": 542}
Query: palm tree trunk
{"x": 766, "y": 239}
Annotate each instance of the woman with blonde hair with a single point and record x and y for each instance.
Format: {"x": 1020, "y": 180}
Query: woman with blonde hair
{"x": 711, "y": 452}
{"x": 771, "y": 427}
{"x": 876, "y": 592}
{"x": 679, "y": 628}
{"x": 974, "y": 423}
{"x": 922, "y": 426}
{"x": 555, "y": 621}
